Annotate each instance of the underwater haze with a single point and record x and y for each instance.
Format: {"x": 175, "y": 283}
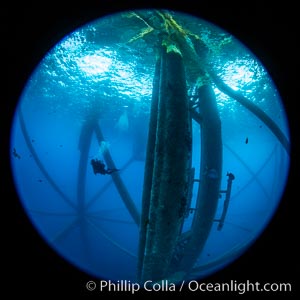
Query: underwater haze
{"x": 90, "y": 99}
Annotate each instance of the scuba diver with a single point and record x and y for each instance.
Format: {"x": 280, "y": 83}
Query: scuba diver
{"x": 99, "y": 167}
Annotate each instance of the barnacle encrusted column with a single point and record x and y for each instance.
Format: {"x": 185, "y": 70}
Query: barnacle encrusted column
{"x": 167, "y": 167}
{"x": 210, "y": 177}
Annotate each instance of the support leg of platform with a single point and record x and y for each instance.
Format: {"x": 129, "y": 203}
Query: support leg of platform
{"x": 171, "y": 169}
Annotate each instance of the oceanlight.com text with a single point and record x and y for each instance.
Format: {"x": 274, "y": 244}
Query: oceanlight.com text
{"x": 239, "y": 287}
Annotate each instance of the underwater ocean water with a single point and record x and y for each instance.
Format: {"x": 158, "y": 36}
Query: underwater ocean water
{"x": 90, "y": 99}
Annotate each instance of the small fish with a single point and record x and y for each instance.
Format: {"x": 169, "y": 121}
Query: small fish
{"x": 15, "y": 154}
{"x": 246, "y": 142}
{"x": 40, "y": 180}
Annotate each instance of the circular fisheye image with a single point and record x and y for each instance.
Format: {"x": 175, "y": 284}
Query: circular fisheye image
{"x": 150, "y": 145}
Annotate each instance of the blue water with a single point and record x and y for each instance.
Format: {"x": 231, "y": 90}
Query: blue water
{"x": 93, "y": 71}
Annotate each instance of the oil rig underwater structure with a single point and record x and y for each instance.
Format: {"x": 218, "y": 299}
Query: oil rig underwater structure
{"x": 165, "y": 250}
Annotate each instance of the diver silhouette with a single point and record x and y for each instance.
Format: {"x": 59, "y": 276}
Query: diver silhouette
{"x": 99, "y": 167}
